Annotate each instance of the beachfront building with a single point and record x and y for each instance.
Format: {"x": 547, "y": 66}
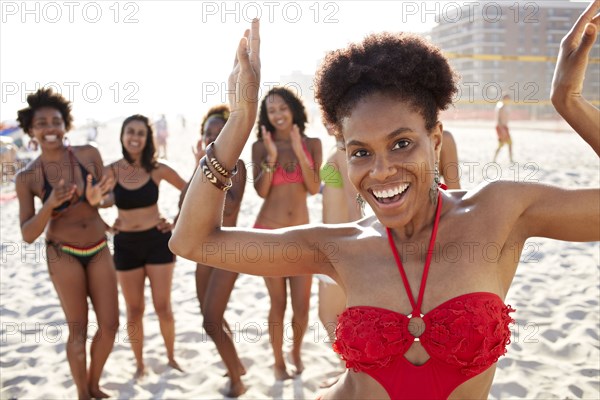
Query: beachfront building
{"x": 508, "y": 47}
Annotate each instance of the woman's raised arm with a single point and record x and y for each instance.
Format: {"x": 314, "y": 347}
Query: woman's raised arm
{"x": 569, "y": 74}
{"x": 199, "y": 235}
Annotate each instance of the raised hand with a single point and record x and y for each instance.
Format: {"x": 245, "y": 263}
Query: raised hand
{"x": 244, "y": 80}
{"x": 269, "y": 144}
{"x": 199, "y": 151}
{"x": 61, "y": 193}
{"x": 573, "y": 55}
{"x": 95, "y": 193}
{"x": 569, "y": 74}
{"x": 296, "y": 140}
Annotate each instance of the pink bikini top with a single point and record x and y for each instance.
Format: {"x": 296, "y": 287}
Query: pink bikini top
{"x": 282, "y": 176}
{"x": 463, "y": 337}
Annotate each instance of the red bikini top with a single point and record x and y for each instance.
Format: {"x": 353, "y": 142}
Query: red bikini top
{"x": 467, "y": 333}
{"x": 282, "y": 176}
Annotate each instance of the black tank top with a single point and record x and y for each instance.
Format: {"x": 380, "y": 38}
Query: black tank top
{"x": 144, "y": 196}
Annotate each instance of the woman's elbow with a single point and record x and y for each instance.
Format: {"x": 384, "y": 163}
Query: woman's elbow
{"x": 314, "y": 189}
{"x": 179, "y": 246}
{"x": 28, "y": 238}
{"x": 261, "y": 192}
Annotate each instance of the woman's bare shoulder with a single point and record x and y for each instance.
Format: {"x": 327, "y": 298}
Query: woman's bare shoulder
{"x": 85, "y": 151}
{"x": 28, "y": 173}
{"x": 313, "y": 141}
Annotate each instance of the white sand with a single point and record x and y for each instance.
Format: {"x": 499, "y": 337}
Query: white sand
{"x": 555, "y": 350}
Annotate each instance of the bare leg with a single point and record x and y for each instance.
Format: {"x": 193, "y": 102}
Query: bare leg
{"x": 132, "y": 286}
{"x": 219, "y": 290}
{"x": 500, "y": 144}
{"x": 203, "y": 273}
{"x": 161, "y": 279}
{"x": 70, "y": 282}
{"x": 103, "y": 292}
{"x": 510, "y": 151}
{"x": 300, "y": 291}
{"x": 203, "y": 277}
{"x": 278, "y": 295}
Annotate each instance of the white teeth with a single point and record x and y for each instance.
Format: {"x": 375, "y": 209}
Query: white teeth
{"x": 50, "y": 138}
{"x": 383, "y": 194}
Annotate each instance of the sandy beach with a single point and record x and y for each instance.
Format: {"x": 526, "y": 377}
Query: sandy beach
{"x": 556, "y": 338}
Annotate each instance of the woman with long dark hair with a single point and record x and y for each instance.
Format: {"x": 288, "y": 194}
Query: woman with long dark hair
{"x": 141, "y": 242}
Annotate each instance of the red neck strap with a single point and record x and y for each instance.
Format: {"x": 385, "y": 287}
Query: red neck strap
{"x": 417, "y": 306}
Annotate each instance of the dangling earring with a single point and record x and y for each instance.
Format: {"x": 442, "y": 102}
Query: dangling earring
{"x": 66, "y": 141}
{"x": 360, "y": 202}
{"x": 435, "y": 185}
{"x": 32, "y": 145}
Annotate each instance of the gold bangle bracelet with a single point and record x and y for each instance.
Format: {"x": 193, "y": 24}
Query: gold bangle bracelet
{"x": 212, "y": 178}
{"x": 210, "y": 155}
{"x": 267, "y": 168}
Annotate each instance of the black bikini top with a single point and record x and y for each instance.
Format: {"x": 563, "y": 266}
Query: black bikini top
{"x": 47, "y": 188}
{"x": 144, "y": 196}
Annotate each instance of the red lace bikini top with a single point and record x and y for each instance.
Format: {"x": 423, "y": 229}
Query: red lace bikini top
{"x": 463, "y": 337}
{"x": 282, "y": 176}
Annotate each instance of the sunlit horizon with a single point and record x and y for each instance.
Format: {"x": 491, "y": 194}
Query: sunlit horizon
{"x": 171, "y": 58}
{"x": 114, "y": 59}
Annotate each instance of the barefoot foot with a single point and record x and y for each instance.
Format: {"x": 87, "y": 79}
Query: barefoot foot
{"x": 140, "y": 372}
{"x": 297, "y": 360}
{"x": 281, "y": 373}
{"x": 96, "y": 393}
{"x": 173, "y": 364}
{"x": 236, "y": 389}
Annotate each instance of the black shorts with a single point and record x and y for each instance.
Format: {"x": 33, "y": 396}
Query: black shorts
{"x": 136, "y": 249}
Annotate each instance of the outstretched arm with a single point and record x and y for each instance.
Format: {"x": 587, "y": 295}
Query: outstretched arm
{"x": 569, "y": 74}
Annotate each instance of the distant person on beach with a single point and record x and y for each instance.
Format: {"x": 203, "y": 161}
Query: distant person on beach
{"x": 8, "y": 159}
{"x": 141, "y": 239}
{"x": 420, "y": 323}
{"x": 339, "y": 206}
{"x": 502, "y": 126}
{"x": 214, "y": 286}
{"x": 286, "y": 169}
{"x": 69, "y": 182}
{"x": 92, "y": 131}
{"x": 449, "y": 168}
{"x": 162, "y": 135}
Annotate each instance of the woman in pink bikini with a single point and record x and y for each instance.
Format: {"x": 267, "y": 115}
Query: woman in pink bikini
{"x": 418, "y": 324}
{"x": 286, "y": 169}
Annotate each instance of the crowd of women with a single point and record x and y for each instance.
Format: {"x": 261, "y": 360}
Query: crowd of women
{"x": 400, "y": 324}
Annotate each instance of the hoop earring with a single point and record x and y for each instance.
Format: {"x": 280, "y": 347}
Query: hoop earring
{"x": 66, "y": 141}
{"x": 360, "y": 202}
{"x": 435, "y": 185}
{"x": 32, "y": 145}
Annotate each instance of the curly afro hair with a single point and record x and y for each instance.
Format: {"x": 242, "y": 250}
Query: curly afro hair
{"x": 149, "y": 156}
{"x": 295, "y": 104}
{"x": 402, "y": 65}
{"x": 44, "y": 98}
{"x": 221, "y": 111}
